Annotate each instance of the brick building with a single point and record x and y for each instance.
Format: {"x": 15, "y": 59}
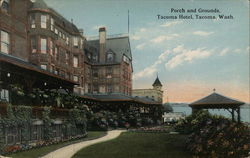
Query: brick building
{"x": 111, "y": 64}
{"x": 38, "y": 35}
{"x": 44, "y": 58}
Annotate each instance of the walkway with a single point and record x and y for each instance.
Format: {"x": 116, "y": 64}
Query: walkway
{"x": 69, "y": 151}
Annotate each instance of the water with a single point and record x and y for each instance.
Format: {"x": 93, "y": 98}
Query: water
{"x": 244, "y": 112}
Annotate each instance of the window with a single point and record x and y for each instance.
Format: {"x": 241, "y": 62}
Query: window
{"x": 62, "y": 73}
{"x": 56, "y": 71}
{"x": 5, "y": 42}
{"x": 109, "y": 88}
{"x": 44, "y": 67}
{"x": 52, "y": 23}
{"x": 4, "y": 95}
{"x": 75, "y": 42}
{"x": 33, "y": 45}
{"x": 60, "y": 34}
{"x": 33, "y": 21}
{"x": 95, "y": 58}
{"x": 67, "y": 75}
{"x": 75, "y": 61}
{"x": 67, "y": 40}
{"x": 43, "y": 45}
{"x": 126, "y": 59}
{"x": 43, "y": 21}
{"x": 5, "y": 5}
{"x": 89, "y": 88}
{"x": 56, "y": 31}
{"x": 52, "y": 68}
{"x": 56, "y": 52}
{"x": 81, "y": 43}
{"x": 110, "y": 57}
{"x": 95, "y": 72}
{"x": 109, "y": 72}
{"x": 75, "y": 78}
{"x": 67, "y": 58}
{"x": 51, "y": 47}
{"x": 95, "y": 88}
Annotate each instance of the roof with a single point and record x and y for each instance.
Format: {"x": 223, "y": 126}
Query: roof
{"x": 216, "y": 100}
{"x": 110, "y": 97}
{"x": 120, "y": 97}
{"x": 119, "y": 45}
{"x": 146, "y": 100}
{"x": 24, "y": 64}
{"x": 39, "y": 4}
{"x": 157, "y": 82}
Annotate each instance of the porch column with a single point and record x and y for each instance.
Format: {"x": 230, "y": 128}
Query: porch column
{"x": 238, "y": 114}
{"x": 233, "y": 115}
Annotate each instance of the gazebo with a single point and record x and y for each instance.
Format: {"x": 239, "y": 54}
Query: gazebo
{"x": 218, "y": 101}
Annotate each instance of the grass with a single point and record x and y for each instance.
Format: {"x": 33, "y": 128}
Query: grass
{"x": 35, "y": 153}
{"x": 138, "y": 145}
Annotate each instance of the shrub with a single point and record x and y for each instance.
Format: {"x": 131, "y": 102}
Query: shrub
{"x": 215, "y": 136}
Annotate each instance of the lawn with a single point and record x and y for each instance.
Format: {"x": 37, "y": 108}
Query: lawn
{"x": 35, "y": 153}
{"x": 138, "y": 145}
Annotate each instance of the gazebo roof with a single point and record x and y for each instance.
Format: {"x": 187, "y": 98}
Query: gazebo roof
{"x": 216, "y": 100}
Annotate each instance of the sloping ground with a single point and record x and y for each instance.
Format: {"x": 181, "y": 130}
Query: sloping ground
{"x": 138, "y": 145}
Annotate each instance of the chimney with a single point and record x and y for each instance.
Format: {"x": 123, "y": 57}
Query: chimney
{"x": 102, "y": 44}
{"x": 81, "y": 31}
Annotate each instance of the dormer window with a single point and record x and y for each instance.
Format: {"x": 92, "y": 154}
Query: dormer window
{"x": 126, "y": 59}
{"x": 95, "y": 58}
{"x": 110, "y": 57}
{"x": 5, "y": 5}
{"x": 89, "y": 56}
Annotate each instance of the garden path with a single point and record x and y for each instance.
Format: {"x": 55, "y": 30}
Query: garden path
{"x": 69, "y": 151}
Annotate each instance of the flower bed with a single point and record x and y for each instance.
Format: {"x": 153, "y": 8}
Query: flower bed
{"x": 23, "y": 147}
{"x": 216, "y": 137}
{"x": 155, "y": 129}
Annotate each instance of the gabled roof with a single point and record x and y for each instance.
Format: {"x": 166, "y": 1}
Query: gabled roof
{"x": 157, "y": 82}
{"x": 119, "y": 45}
{"x": 216, "y": 100}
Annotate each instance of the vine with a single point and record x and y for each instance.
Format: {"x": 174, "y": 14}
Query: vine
{"x": 48, "y": 133}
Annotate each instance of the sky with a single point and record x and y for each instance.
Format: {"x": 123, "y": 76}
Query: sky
{"x": 191, "y": 56}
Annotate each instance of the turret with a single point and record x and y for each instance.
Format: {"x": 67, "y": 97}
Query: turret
{"x": 157, "y": 84}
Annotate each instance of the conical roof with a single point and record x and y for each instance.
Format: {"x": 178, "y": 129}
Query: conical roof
{"x": 216, "y": 100}
{"x": 39, "y": 4}
{"x": 157, "y": 82}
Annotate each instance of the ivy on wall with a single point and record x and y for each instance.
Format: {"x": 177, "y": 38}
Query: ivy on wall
{"x": 47, "y": 121}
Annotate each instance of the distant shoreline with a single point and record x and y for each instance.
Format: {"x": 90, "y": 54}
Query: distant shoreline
{"x": 245, "y": 106}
